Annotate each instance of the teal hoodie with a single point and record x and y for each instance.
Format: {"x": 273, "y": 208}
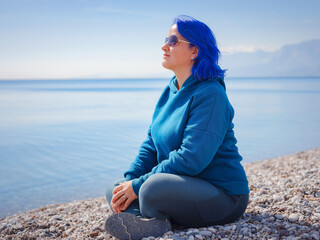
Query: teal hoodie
{"x": 192, "y": 134}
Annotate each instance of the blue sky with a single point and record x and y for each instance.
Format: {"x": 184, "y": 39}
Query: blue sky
{"x": 53, "y": 39}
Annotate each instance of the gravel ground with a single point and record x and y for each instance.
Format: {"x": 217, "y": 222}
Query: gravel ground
{"x": 284, "y": 204}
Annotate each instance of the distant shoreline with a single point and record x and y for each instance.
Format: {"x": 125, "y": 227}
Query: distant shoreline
{"x": 148, "y": 78}
{"x": 284, "y": 201}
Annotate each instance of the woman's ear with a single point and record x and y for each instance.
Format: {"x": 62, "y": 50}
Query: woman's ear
{"x": 195, "y": 52}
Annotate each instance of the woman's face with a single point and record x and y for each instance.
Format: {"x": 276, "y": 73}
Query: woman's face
{"x": 179, "y": 57}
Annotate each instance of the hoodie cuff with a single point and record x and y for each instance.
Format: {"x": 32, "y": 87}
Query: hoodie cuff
{"x": 136, "y": 184}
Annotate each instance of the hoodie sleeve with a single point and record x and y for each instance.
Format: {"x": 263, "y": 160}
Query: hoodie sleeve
{"x": 145, "y": 160}
{"x": 208, "y": 121}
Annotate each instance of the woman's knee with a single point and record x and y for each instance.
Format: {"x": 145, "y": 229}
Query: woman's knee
{"x": 151, "y": 193}
{"x": 154, "y": 187}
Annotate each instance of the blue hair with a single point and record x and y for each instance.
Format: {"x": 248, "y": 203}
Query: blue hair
{"x": 200, "y": 35}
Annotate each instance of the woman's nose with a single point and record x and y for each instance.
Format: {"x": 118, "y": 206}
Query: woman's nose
{"x": 165, "y": 47}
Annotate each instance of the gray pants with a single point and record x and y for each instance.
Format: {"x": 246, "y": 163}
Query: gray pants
{"x": 187, "y": 201}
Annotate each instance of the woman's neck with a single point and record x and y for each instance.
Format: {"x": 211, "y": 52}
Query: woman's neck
{"x": 182, "y": 77}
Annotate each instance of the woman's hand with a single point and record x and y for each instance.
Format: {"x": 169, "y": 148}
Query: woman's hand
{"x": 123, "y": 195}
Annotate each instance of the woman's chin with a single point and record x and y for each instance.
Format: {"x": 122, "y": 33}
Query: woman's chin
{"x": 166, "y": 65}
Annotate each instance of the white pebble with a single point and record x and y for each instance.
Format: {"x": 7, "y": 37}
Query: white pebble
{"x": 191, "y": 238}
{"x": 205, "y": 233}
{"x": 227, "y": 228}
{"x": 293, "y": 217}
{"x": 317, "y": 216}
{"x": 52, "y": 229}
{"x": 190, "y": 232}
{"x": 277, "y": 198}
{"x": 199, "y": 236}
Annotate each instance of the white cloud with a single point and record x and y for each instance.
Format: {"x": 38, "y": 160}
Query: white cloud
{"x": 236, "y": 49}
{"x": 245, "y": 49}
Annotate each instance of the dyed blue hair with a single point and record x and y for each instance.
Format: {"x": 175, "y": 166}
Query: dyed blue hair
{"x": 200, "y": 35}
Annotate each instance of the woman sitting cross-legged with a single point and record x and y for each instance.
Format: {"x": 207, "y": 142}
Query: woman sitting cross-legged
{"x": 188, "y": 169}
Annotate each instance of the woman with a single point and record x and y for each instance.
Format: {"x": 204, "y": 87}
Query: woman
{"x": 188, "y": 169}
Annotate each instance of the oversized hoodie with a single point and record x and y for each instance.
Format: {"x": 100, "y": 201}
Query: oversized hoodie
{"x": 191, "y": 134}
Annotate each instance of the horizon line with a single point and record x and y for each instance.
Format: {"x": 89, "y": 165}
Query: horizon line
{"x": 142, "y": 78}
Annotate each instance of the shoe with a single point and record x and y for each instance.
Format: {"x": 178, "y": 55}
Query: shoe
{"x": 126, "y": 226}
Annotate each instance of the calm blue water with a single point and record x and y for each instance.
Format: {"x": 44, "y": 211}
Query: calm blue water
{"x": 65, "y": 140}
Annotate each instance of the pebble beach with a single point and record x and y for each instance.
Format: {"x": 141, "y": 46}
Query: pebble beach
{"x": 284, "y": 204}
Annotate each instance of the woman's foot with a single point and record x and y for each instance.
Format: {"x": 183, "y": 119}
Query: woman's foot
{"x": 126, "y": 226}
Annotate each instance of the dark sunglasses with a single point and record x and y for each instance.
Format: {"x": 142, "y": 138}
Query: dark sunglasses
{"x": 173, "y": 40}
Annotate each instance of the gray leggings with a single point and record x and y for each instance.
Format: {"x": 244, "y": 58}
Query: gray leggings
{"x": 188, "y": 201}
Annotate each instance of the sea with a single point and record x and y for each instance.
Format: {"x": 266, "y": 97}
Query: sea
{"x": 66, "y": 140}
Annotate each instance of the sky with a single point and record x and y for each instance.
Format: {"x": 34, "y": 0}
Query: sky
{"x": 83, "y": 39}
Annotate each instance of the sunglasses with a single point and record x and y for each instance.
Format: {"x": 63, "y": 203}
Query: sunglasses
{"x": 173, "y": 40}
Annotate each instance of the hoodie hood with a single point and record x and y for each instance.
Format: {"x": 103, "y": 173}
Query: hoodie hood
{"x": 191, "y": 83}
{"x": 221, "y": 81}
{"x": 188, "y": 84}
